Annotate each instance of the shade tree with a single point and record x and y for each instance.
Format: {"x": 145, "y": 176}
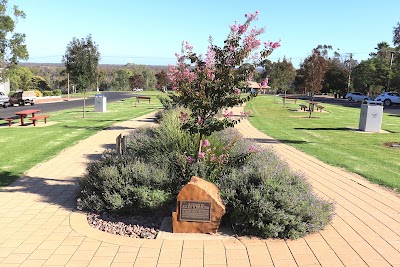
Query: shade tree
{"x": 12, "y": 44}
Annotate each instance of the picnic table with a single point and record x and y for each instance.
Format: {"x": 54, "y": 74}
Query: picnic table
{"x": 311, "y": 105}
{"x": 25, "y": 113}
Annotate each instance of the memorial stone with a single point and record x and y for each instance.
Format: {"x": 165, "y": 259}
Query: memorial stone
{"x": 199, "y": 208}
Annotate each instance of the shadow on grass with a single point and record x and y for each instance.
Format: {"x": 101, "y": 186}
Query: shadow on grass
{"x": 91, "y": 128}
{"x": 326, "y": 129}
{"x": 274, "y": 141}
{"x": 394, "y": 115}
{"x": 53, "y": 191}
{"x": 6, "y": 178}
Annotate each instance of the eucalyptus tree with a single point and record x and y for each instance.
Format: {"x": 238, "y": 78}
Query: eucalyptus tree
{"x": 81, "y": 61}
{"x": 12, "y": 44}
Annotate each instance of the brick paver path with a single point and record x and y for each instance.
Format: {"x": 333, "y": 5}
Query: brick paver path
{"x": 39, "y": 226}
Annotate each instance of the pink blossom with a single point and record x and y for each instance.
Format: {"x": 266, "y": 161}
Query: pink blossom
{"x": 188, "y": 47}
{"x": 211, "y": 76}
{"x": 228, "y": 115}
{"x": 234, "y": 27}
{"x": 253, "y": 148}
{"x": 213, "y": 158}
{"x": 206, "y": 143}
{"x": 199, "y": 121}
{"x": 201, "y": 155}
{"x": 242, "y": 28}
{"x": 276, "y": 45}
{"x": 210, "y": 57}
{"x": 272, "y": 45}
{"x": 245, "y": 115}
{"x": 183, "y": 116}
{"x": 236, "y": 91}
{"x": 189, "y": 159}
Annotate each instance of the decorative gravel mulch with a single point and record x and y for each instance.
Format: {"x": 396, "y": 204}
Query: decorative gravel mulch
{"x": 132, "y": 226}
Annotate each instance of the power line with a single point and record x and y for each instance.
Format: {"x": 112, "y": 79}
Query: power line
{"x": 154, "y": 57}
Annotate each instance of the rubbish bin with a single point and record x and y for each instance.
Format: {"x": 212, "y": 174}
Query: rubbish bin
{"x": 100, "y": 103}
{"x": 371, "y": 116}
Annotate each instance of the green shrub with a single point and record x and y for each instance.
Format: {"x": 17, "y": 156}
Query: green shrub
{"x": 57, "y": 92}
{"x": 262, "y": 196}
{"x": 47, "y": 93}
{"x": 115, "y": 183}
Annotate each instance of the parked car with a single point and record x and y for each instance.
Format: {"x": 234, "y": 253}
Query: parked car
{"x": 389, "y": 98}
{"x": 4, "y": 100}
{"x": 22, "y": 98}
{"x": 357, "y": 96}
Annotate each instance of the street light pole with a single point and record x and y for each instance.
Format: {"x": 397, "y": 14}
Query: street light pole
{"x": 390, "y": 68}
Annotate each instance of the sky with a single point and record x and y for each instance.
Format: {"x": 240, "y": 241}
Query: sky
{"x": 151, "y": 32}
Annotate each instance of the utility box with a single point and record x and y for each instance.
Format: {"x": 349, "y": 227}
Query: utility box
{"x": 100, "y": 103}
{"x": 371, "y": 116}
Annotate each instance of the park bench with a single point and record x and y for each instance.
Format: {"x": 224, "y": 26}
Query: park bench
{"x": 143, "y": 97}
{"x": 10, "y": 119}
{"x": 303, "y": 107}
{"x": 320, "y": 108}
{"x": 39, "y": 117}
{"x": 284, "y": 99}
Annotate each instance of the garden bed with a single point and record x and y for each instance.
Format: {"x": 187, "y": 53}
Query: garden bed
{"x": 262, "y": 196}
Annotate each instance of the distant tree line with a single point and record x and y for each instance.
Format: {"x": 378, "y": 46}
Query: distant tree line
{"x": 45, "y": 77}
{"x": 327, "y": 70}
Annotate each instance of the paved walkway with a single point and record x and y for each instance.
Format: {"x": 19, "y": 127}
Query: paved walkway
{"x": 39, "y": 226}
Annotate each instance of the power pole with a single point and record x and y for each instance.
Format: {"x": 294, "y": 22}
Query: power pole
{"x": 348, "y": 82}
{"x": 390, "y": 68}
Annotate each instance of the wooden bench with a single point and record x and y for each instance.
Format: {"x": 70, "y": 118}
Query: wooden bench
{"x": 143, "y": 97}
{"x": 303, "y": 107}
{"x": 39, "y": 117}
{"x": 320, "y": 108}
{"x": 10, "y": 119}
{"x": 289, "y": 98}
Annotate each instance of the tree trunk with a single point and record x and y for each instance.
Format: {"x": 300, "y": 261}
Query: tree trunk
{"x": 200, "y": 144}
{"x": 84, "y": 103}
{"x": 284, "y": 99}
{"x": 311, "y": 105}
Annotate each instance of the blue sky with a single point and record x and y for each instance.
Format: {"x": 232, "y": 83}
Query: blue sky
{"x": 151, "y": 32}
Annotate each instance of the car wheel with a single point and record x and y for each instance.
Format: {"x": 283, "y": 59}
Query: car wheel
{"x": 4, "y": 105}
{"x": 349, "y": 98}
{"x": 387, "y": 102}
{"x": 32, "y": 103}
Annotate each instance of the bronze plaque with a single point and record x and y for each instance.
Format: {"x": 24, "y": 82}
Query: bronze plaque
{"x": 195, "y": 211}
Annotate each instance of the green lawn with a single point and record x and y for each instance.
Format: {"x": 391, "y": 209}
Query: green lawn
{"x": 332, "y": 137}
{"x": 24, "y": 147}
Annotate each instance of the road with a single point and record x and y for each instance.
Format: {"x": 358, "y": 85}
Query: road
{"x": 57, "y": 106}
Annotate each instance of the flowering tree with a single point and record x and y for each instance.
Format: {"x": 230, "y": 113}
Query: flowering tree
{"x": 209, "y": 85}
